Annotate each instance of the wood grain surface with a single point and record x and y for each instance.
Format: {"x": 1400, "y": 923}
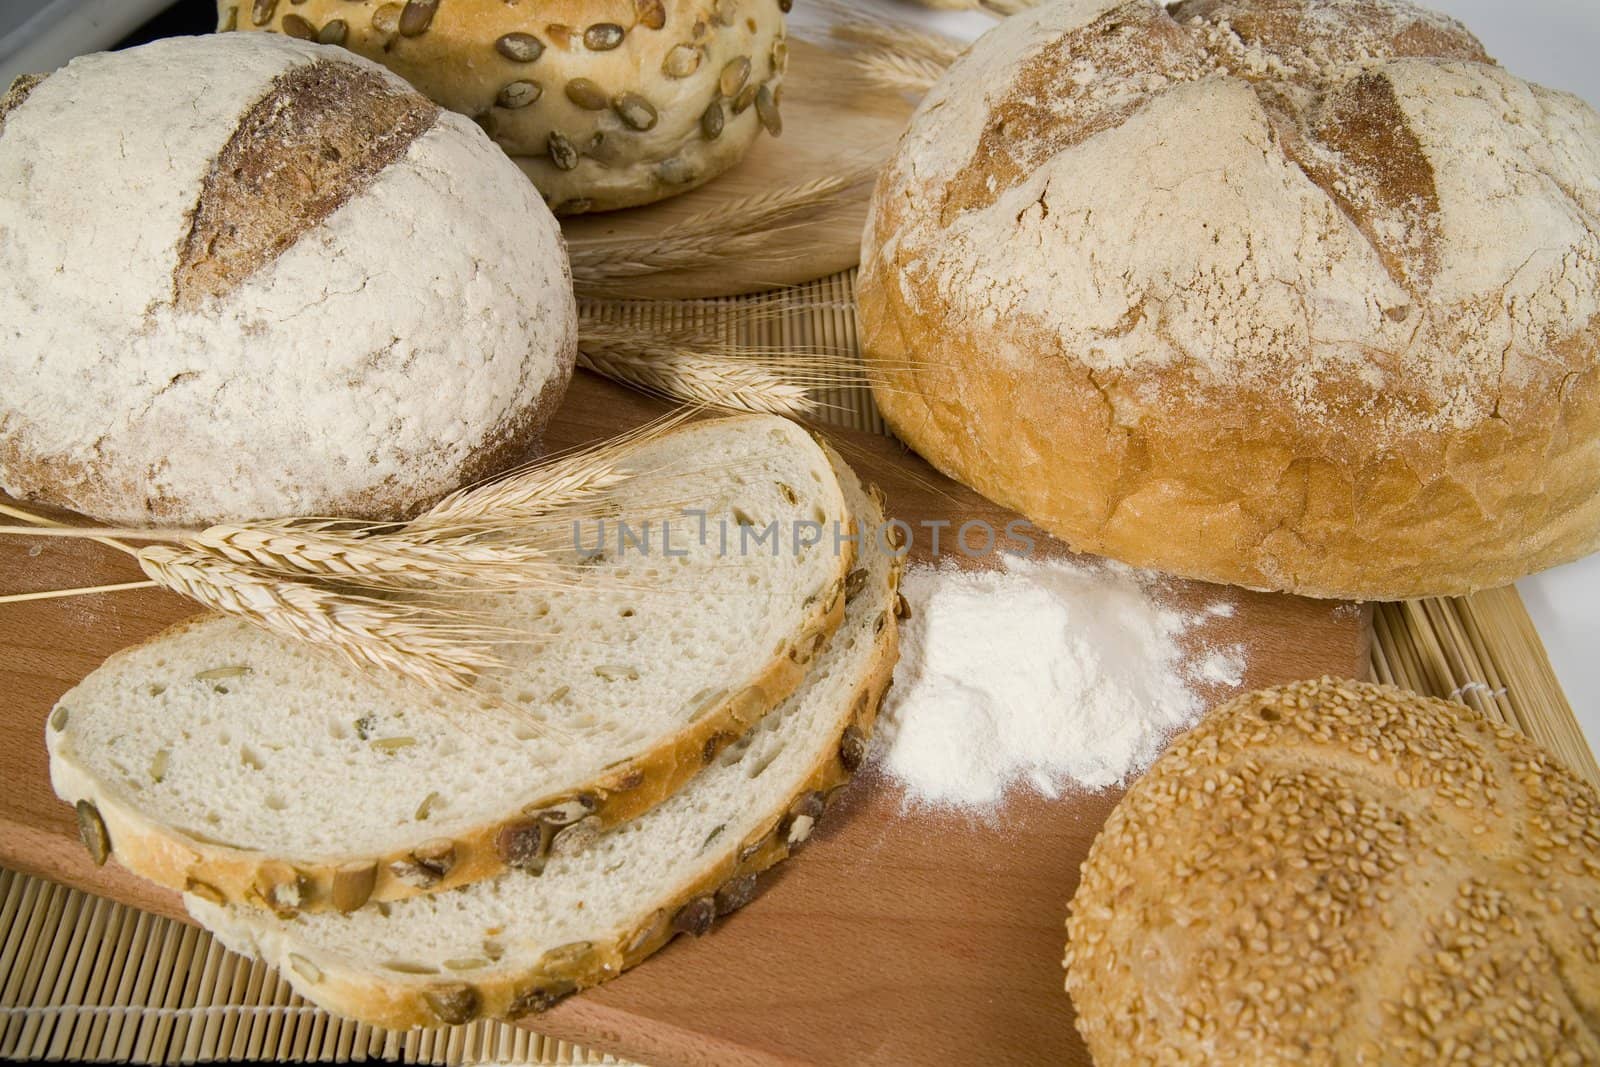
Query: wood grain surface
{"x": 894, "y": 938}
{"x": 831, "y": 124}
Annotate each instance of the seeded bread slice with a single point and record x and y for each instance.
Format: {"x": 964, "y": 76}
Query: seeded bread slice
{"x": 227, "y": 762}
{"x": 517, "y": 943}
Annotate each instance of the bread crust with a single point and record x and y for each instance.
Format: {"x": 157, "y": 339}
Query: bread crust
{"x": 1394, "y": 432}
{"x": 1337, "y": 872}
{"x": 649, "y": 72}
{"x": 411, "y": 1002}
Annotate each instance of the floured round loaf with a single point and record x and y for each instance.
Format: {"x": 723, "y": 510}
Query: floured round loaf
{"x": 1334, "y": 873}
{"x": 249, "y": 277}
{"x": 604, "y": 103}
{"x": 1291, "y": 294}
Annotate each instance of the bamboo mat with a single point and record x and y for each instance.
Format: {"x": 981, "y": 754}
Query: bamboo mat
{"x": 85, "y": 978}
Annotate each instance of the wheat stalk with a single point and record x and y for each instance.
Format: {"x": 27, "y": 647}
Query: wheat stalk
{"x": 427, "y": 645}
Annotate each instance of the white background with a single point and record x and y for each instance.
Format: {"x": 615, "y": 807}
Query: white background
{"x": 1554, "y": 42}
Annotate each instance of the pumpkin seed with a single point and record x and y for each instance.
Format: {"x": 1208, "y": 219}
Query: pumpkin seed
{"x": 779, "y": 57}
{"x": 352, "y": 885}
{"x": 587, "y": 95}
{"x": 305, "y": 968}
{"x": 613, "y": 673}
{"x": 676, "y": 171}
{"x": 767, "y": 112}
{"x": 852, "y": 749}
{"x": 734, "y": 75}
{"x": 520, "y": 47}
{"x": 603, "y": 36}
{"x": 231, "y": 21}
{"x": 565, "y": 959}
{"x": 92, "y": 832}
{"x": 696, "y": 917}
{"x": 158, "y": 765}
{"x": 540, "y": 998}
{"x": 712, "y": 122}
{"x": 651, "y": 13}
{"x": 386, "y": 19}
{"x": 682, "y": 61}
{"x": 519, "y": 94}
{"x": 297, "y": 26}
{"x": 426, "y": 807}
{"x": 453, "y": 1006}
{"x": 854, "y": 582}
{"x": 902, "y": 607}
{"x": 219, "y": 673}
{"x": 562, "y": 154}
{"x": 58, "y": 719}
{"x": 735, "y": 894}
{"x": 525, "y": 846}
{"x": 723, "y": 12}
{"x": 635, "y": 111}
{"x": 334, "y": 32}
{"x": 417, "y": 17}
{"x": 407, "y": 967}
{"x": 390, "y": 745}
{"x": 470, "y": 963}
{"x": 262, "y": 10}
{"x": 205, "y": 891}
{"x": 746, "y": 97}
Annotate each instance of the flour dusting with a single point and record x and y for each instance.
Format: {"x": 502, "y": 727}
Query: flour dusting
{"x": 1045, "y": 676}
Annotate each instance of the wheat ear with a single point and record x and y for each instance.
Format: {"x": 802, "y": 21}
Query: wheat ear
{"x": 423, "y": 644}
{"x": 886, "y": 69}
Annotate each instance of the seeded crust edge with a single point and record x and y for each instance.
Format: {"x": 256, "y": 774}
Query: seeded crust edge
{"x": 453, "y": 60}
{"x": 622, "y": 792}
{"x": 509, "y": 996}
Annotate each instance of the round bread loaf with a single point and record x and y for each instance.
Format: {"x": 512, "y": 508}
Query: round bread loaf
{"x": 1340, "y": 873}
{"x": 249, "y": 277}
{"x": 604, "y": 103}
{"x": 1292, "y": 294}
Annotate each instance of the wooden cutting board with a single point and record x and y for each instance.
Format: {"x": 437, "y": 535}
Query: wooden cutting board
{"x": 893, "y": 938}
{"x": 831, "y": 124}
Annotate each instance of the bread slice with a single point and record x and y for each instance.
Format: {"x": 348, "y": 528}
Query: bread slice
{"x": 518, "y": 943}
{"x": 232, "y": 764}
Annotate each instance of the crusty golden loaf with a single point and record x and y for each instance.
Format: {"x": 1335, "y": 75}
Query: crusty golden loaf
{"x": 1293, "y": 294}
{"x": 604, "y": 103}
{"x": 1342, "y": 873}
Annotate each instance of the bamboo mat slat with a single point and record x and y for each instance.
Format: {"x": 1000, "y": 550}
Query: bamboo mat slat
{"x": 89, "y": 979}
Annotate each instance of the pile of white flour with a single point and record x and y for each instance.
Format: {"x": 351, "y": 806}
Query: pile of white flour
{"x": 1048, "y": 676}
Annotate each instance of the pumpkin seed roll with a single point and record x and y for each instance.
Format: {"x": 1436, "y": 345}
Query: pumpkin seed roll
{"x": 605, "y": 104}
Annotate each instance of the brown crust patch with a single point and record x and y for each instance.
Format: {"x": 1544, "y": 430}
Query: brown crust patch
{"x": 20, "y": 88}
{"x": 1044, "y": 113}
{"x": 1381, "y": 172}
{"x": 320, "y": 136}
